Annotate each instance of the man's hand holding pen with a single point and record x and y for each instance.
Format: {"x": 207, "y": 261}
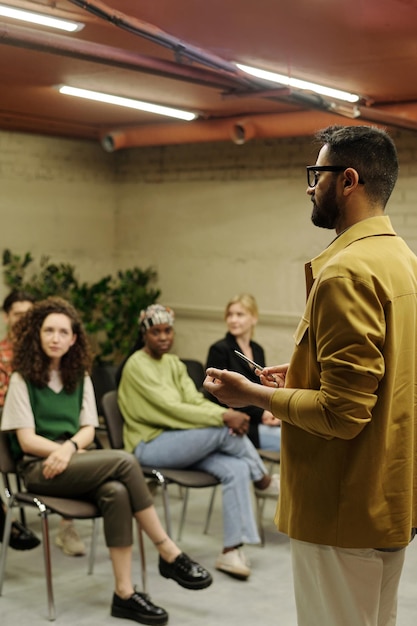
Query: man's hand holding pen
{"x": 273, "y": 376}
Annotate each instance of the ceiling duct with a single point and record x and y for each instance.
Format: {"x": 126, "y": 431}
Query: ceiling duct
{"x": 238, "y": 130}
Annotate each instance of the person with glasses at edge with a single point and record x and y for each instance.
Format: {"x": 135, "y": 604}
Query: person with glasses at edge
{"x": 15, "y": 305}
{"x": 347, "y": 399}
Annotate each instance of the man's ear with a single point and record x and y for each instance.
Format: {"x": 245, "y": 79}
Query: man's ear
{"x": 350, "y": 179}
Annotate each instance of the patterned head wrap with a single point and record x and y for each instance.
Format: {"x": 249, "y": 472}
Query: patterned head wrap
{"x": 156, "y": 314}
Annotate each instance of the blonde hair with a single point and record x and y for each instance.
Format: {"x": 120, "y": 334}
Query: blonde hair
{"x": 247, "y": 301}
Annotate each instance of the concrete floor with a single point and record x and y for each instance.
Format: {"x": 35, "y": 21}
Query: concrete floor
{"x": 265, "y": 599}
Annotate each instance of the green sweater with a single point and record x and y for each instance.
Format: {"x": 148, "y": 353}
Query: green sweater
{"x": 156, "y": 395}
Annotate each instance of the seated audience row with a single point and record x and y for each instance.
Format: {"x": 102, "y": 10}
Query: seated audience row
{"x": 168, "y": 423}
{"x": 50, "y": 407}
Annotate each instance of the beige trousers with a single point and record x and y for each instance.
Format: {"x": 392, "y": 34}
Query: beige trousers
{"x": 345, "y": 587}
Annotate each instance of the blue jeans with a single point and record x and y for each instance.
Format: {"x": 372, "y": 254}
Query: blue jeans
{"x": 269, "y": 437}
{"x": 232, "y": 459}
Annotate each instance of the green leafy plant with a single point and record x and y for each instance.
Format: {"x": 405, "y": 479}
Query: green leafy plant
{"x": 109, "y": 307}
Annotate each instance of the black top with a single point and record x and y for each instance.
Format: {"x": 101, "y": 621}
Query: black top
{"x": 221, "y": 355}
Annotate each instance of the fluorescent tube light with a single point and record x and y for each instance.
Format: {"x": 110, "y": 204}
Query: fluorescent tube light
{"x": 299, "y": 84}
{"x": 40, "y": 19}
{"x": 126, "y": 102}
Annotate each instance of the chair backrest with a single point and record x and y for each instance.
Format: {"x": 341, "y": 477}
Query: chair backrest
{"x": 113, "y": 419}
{"x": 7, "y": 462}
{"x": 104, "y": 379}
{"x": 195, "y": 371}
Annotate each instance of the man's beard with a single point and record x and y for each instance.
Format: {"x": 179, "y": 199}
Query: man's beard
{"x": 327, "y": 214}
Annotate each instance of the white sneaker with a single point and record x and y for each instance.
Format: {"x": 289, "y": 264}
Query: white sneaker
{"x": 272, "y": 491}
{"x": 233, "y": 563}
{"x": 69, "y": 540}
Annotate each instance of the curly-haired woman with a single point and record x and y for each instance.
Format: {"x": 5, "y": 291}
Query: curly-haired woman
{"x": 51, "y": 408}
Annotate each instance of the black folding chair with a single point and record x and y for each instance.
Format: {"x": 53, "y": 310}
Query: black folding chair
{"x": 188, "y": 479}
{"x": 46, "y": 505}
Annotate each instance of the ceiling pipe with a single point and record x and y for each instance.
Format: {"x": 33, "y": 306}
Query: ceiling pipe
{"x": 220, "y": 78}
{"x": 393, "y": 115}
{"x": 253, "y": 88}
{"x": 239, "y": 130}
{"x": 148, "y": 31}
{"x": 63, "y": 45}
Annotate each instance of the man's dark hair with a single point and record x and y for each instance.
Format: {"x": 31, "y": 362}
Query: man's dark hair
{"x": 16, "y": 296}
{"x": 370, "y": 151}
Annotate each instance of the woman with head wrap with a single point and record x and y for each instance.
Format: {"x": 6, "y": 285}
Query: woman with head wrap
{"x": 168, "y": 423}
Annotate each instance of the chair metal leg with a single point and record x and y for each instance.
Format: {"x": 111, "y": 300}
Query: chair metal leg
{"x": 46, "y": 552}
{"x": 5, "y": 542}
{"x": 210, "y": 511}
{"x": 165, "y": 498}
{"x": 183, "y": 513}
{"x": 47, "y": 559}
{"x": 22, "y": 509}
{"x": 142, "y": 555}
{"x": 93, "y": 547}
{"x": 260, "y": 504}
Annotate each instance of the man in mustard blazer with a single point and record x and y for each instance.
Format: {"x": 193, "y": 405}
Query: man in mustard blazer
{"x": 347, "y": 399}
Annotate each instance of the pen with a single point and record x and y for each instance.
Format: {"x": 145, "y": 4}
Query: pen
{"x": 245, "y": 358}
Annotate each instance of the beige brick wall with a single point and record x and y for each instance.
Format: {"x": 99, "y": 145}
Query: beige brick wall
{"x": 213, "y": 219}
{"x": 219, "y": 219}
{"x": 58, "y": 198}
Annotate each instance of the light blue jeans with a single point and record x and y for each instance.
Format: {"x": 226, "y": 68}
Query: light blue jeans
{"x": 232, "y": 459}
{"x": 269, "y": 437}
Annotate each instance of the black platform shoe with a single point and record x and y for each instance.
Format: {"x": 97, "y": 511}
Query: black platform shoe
{"x": 185, "y": 572}
{"x": 138, "y": 608}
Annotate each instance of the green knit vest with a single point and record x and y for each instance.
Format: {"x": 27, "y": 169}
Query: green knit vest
{"x": 57, "y": 415}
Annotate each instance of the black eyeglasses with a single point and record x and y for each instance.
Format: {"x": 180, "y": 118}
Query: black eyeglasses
{"x": 313, "y": 172}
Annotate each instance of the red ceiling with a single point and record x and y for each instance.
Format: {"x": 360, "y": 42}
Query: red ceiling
{"x": 365, "y": 46}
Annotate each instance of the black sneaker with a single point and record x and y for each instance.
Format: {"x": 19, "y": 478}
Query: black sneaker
{"x": 138, "y": 608}
{"x": 185, "y": 572}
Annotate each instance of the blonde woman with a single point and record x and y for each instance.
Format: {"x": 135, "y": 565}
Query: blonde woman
{"x": 241, "y": 315}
